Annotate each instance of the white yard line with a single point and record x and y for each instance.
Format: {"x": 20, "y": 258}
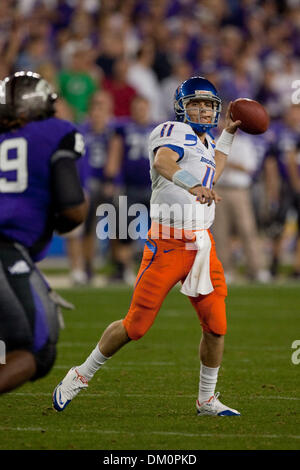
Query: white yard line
{"x": 128, "y": 365}
{"x": 147, "y": 395}
{"x": 282, "y": 349}
{"x": 159, "y": 433}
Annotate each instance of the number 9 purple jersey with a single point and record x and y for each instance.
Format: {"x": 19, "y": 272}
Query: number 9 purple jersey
{"x": 26, "y": 156}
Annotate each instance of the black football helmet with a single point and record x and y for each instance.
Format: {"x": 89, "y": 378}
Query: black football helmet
{"x": 27, "y": 97}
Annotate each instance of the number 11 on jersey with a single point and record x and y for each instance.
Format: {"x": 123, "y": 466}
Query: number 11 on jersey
{"x": 170, "y": 128}
{"x": 208, "y": 177}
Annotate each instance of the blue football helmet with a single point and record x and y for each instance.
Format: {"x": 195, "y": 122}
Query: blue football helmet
{"x": 197, "y": 88}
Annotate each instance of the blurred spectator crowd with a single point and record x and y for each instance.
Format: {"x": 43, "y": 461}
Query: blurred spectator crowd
{"x": 116, "y": 65}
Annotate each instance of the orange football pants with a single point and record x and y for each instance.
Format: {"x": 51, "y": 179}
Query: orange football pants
{"x": 166, "y": 262}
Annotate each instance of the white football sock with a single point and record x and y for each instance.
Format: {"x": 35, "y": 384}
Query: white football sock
{"x": 92, "y": 364}
{"x": 208, "y": 381}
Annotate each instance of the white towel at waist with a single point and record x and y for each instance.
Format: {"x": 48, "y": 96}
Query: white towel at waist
{"x": 198, "y": 280}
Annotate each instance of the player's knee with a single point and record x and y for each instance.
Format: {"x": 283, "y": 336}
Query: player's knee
{"x": 136, "y": 331}
{"x": 217, "y": 326}
{"x": 139, "y": 320}
{"x": 45, "y": 359}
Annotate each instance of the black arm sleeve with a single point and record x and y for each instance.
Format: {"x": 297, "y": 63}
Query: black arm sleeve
{"x": 71, "y": 146}
{"x": 65, "y": 185}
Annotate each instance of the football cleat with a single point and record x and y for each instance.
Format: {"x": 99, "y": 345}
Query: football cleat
{"x": 67, "y": 389}
{"x": 213, "y": 407}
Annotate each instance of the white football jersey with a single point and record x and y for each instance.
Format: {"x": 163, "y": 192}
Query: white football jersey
{"x": 170, "y": 204}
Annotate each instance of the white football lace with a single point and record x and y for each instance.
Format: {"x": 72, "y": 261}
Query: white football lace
{"x": 73, "y": 390}
{"x": 75, "y": 386}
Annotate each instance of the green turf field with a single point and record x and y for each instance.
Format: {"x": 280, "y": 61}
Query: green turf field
{"x": 144, "y": 397}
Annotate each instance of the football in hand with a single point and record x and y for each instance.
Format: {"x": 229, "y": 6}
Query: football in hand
{"x": 253, "y": 116}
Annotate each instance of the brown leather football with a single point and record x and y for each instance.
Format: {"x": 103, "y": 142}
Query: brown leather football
{"x": 254, "y": 117}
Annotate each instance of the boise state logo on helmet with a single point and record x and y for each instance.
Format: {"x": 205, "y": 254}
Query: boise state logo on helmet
{"x": 201, "y": 89}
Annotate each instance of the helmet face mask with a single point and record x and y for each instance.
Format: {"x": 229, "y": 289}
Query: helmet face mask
{"x": 195, "y": 89}
{"x": 28, "y": 97}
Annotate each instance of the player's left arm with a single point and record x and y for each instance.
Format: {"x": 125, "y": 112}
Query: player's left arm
{"x": 69, "y": 200}
{"x": 224, "y": 144}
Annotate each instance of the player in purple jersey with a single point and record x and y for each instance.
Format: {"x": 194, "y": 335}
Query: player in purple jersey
{"x": 130, "y": 160}
{"x": 39, "y": 192}
{"x": 283, "y": 180}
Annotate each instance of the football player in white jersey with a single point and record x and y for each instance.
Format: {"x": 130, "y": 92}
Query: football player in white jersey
{"x": 185, "y": 164}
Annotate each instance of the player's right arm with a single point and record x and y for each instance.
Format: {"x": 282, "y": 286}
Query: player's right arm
{"x": 165, "y": 163}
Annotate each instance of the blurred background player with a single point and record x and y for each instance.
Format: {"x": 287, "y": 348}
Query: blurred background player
{"x": 293, "y": 165}
{"x": 79, "y": 80}
{"x": 235, "y": 217}
{"x": 142, "y": 77}
{"x": 181, "y": 71}
{"x": 185, "y": 163}
{"x": 118, "y": 87}
{"x": 39, "y": 192}
{"x": 98, "y": 132}
{"x": 130, "y": 161}
{"x": 283, "y": 179}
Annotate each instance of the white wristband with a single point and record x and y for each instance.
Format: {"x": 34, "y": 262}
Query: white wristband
{"x": 185, "y": 180}
{"x": 224, "y": 142}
